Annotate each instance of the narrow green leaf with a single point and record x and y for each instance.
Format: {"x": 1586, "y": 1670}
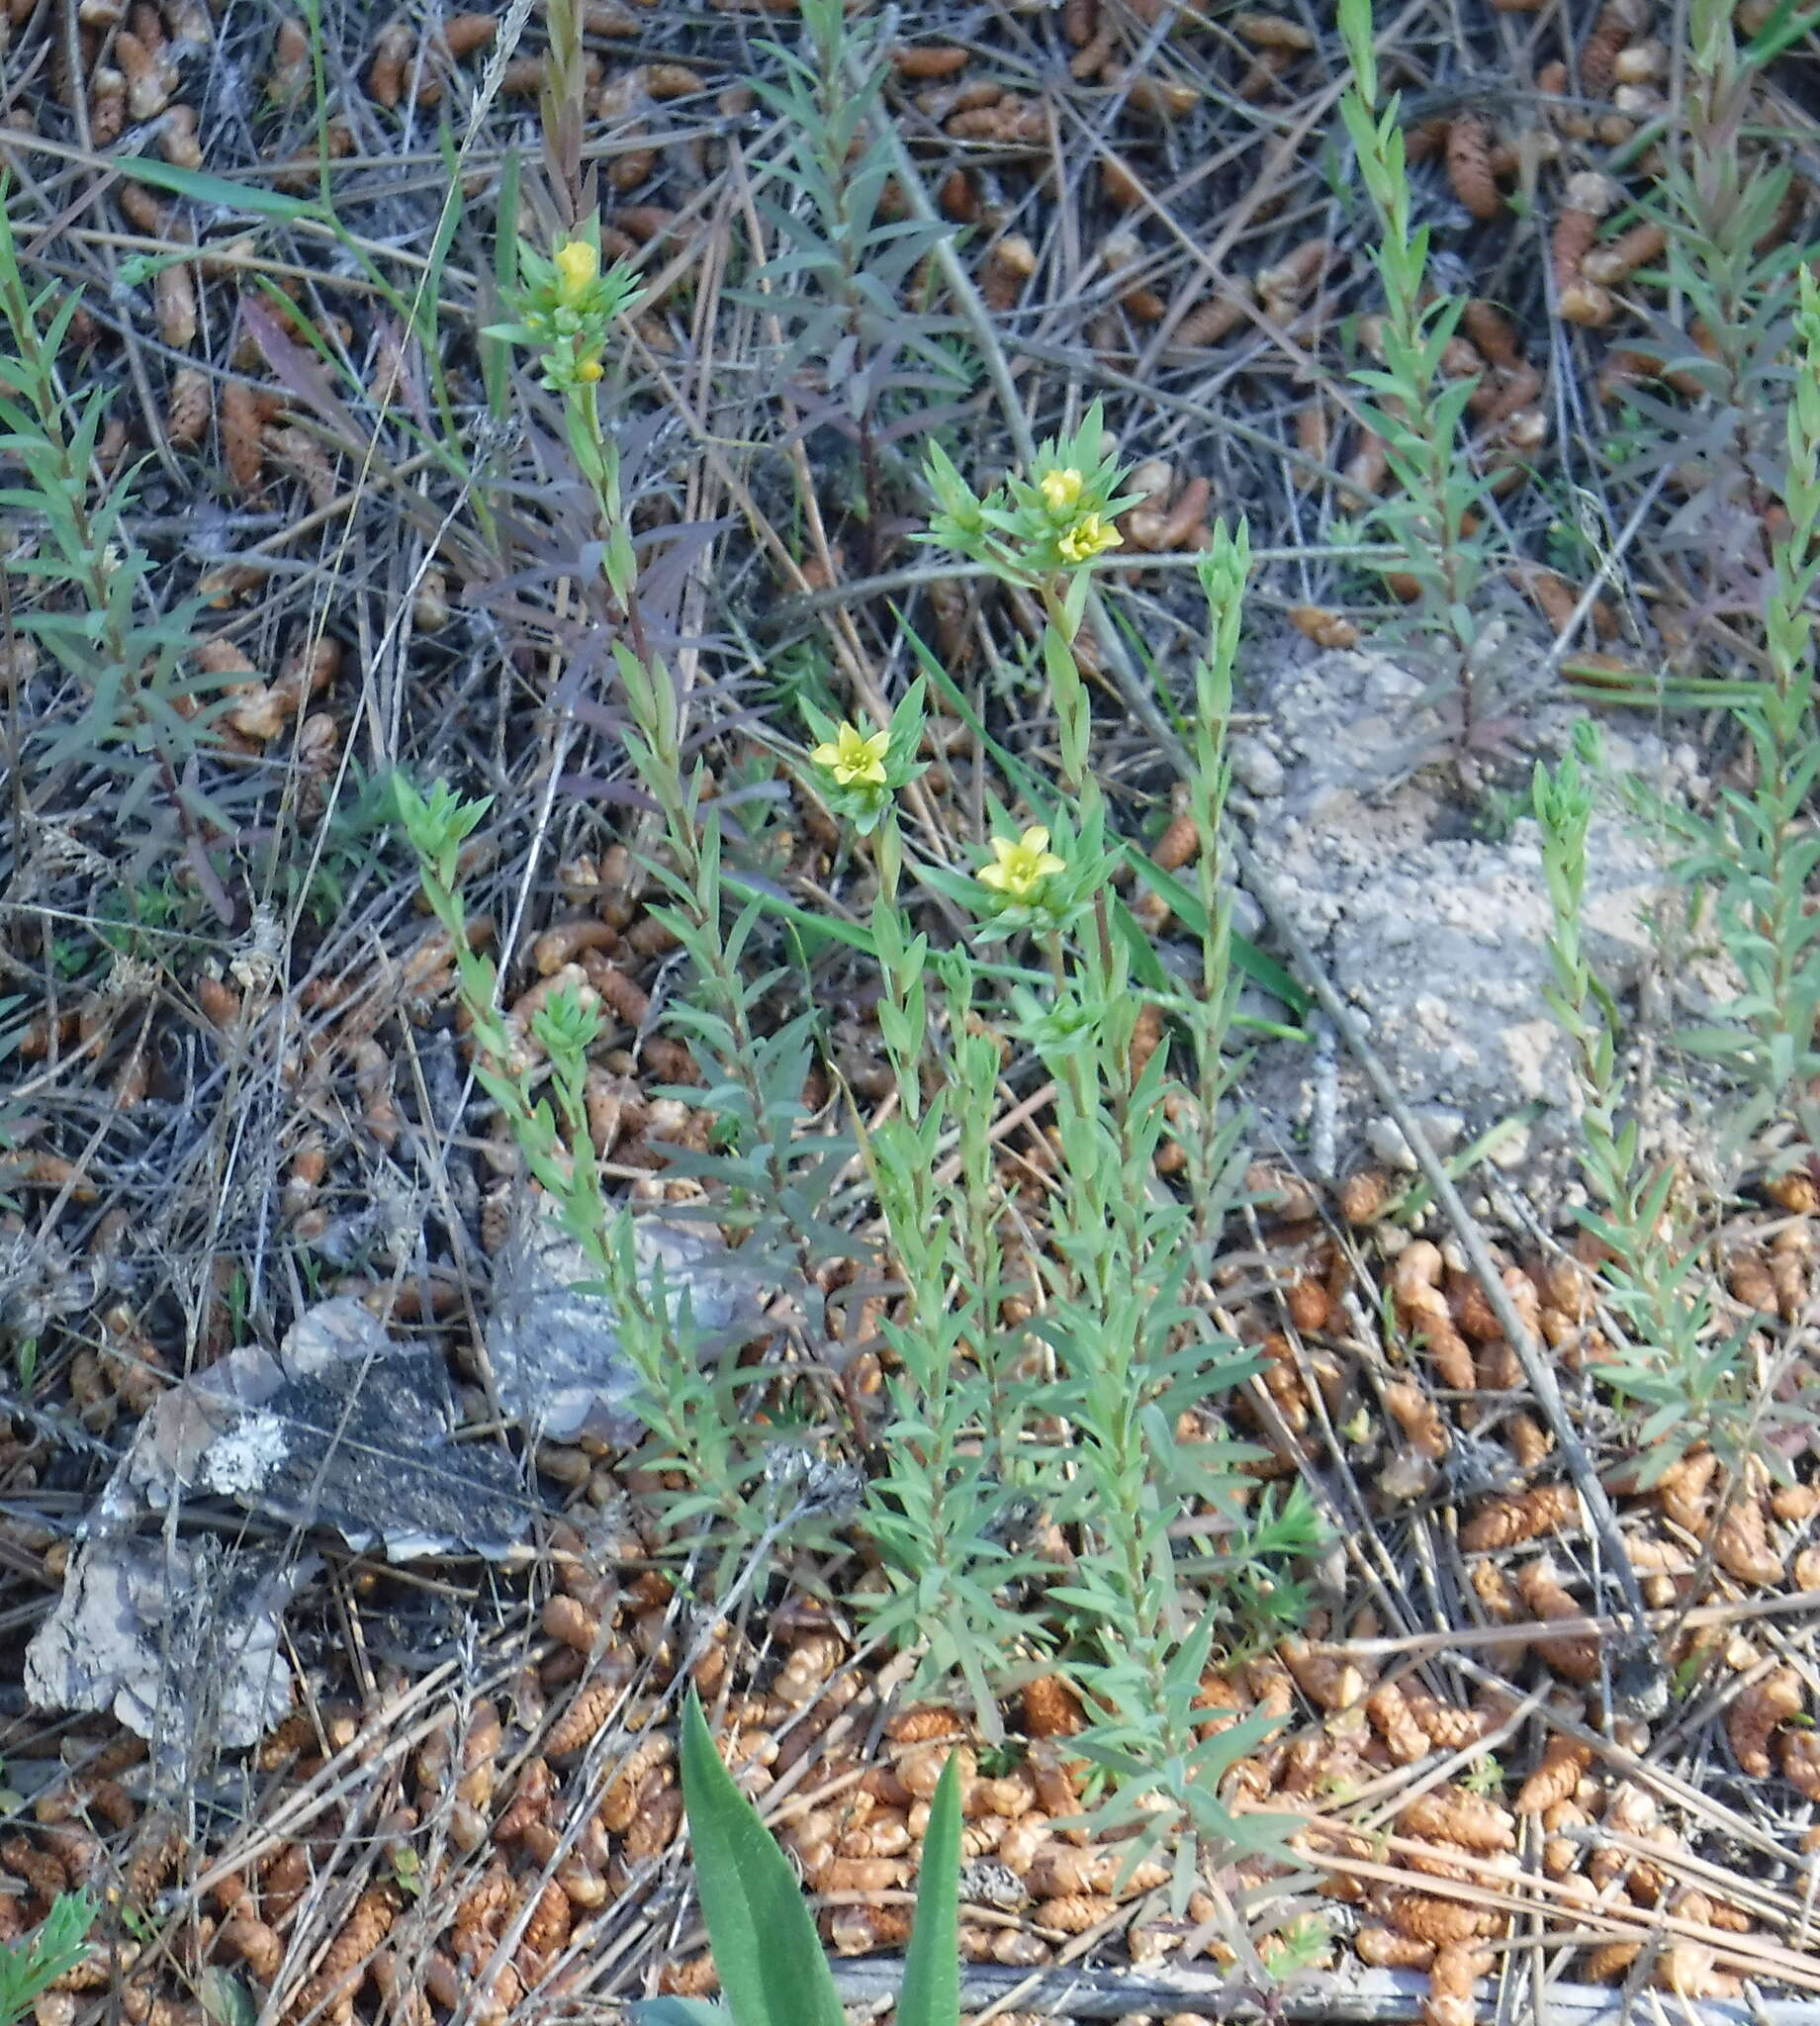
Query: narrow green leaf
{"x": 495, "y": 354}
{"x": 202, "y": 188}
{"x": 1262, "y": 970}
{"x": 828, "y": 926}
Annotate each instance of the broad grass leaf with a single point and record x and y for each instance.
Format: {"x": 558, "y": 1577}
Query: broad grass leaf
{"x": 770, "y": 1958}
{"x": 931, "y": 1993}
{"x": 1186, "y": 903}
{"x": 675, "y": 2011}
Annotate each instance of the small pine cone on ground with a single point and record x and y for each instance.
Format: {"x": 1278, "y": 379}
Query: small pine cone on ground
{"x": 1756, "y": 1715}
{"x": 1452, "y": 1977}
{"x": 1564, "y": 1760}
{"x": 1425, "y": 1918}
{"x": 1527, "y": 1516}
{"x": 1575, "y": 1656}
{"x": 1051, "y": 1709}
{"x": 1452, "y": 1815}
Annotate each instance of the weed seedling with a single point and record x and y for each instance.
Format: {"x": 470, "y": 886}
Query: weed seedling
{"x": 1429, "y": 511}
{"x": 56, "y": 1947}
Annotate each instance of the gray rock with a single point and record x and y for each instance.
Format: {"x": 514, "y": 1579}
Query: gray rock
{"x": 1441, "y": 1128}
{"x": 1512, "y": 1151}
{"x": 180, "y": 1639}
{"x": 552, "y": 1340}
{"x": 1435, "y": 935}
{"x": 339, "y": 1427}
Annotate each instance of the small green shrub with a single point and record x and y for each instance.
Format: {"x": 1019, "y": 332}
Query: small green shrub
{"x": 989, "y": 1431}
{"x": 91, "y": 598}
{"x": 1427, "y": 513}
{"x": 858, "y": 352}
{"x": 1670, "y": 1359}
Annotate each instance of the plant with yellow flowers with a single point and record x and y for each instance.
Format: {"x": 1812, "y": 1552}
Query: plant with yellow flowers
{"x": 1043, "y": 531}
{"x": 981, "y": 1421}
{"x": 854, "y": 759}
{"x": 1022, "y": 866}
{"x": 1040, "y": 877}
{"x": 1031, "y": 527}
{"x": 860, "y": 773}
{"x": 1121, "y": 1322}
{"x": 566, "y": 308}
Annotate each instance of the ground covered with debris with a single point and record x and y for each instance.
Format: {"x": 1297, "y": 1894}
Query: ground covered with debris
{"x": 346, "y": 1614}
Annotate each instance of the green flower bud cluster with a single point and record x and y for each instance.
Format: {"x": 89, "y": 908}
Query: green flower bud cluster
{"x": 566, "y": 308}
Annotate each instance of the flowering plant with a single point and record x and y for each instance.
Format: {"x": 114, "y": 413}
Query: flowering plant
{"x": 854, "y": 760}
{"x": 1046, "y": 876}
{"x": 566, "y": 306}
{"x": 1022, "y": 866}
{"x": 1056, "y": 519}
{"x": 860, "y": 773}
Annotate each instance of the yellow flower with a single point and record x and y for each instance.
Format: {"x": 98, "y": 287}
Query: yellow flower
{"x": 577, "y": 265}
{"x": 1022, "y": 864}
{"x": 1087, "y": 538}
{"x": 852, "y": 759}
{"x": 588, "y": 369}
{"x": 1059, "y": 490}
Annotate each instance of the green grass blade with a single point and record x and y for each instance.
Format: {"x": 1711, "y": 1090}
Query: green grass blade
{"x": 206, "y": 189}
{"x": 1786, "y": 27}
{"x": 817, "y": 929}
{"x": 674, "y": 2011}
{"x": 1184, "y": 903}
{"x": 495, "y": 352}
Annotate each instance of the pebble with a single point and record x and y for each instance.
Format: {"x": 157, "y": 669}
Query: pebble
{"x": 1256, "y": 767}
{"x": 1444, "y": 1127}
{"x": 1440, "y": 1127}
{"x": 1511, "y": 1153}
{"x": 1385, "y": 1139}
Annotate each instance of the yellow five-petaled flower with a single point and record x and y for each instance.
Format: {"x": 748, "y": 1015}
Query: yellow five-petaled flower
{"x": 1087, "y": 538}
{"x": 1021, "y": 864}
{"x": 1061, "y": 489}
{"x": 577, "y": 266}
{"x": 852, "y": 759}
